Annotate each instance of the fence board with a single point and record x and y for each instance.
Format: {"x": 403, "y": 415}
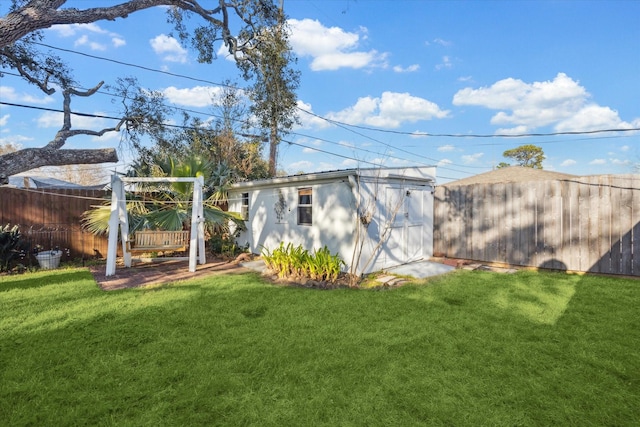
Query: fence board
{"x": 508, "y": 250}
{"x": 621, "y": 206}
{"x": 582, "y": 224}
{"x": 605, "y": 230}
{"x": 51, "y": 217}
{"x": 571, "y": 253}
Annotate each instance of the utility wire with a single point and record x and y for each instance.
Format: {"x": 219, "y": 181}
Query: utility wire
{"x": 459, "y": 135}
{"x": 142, "y": 67}
{"x": 341, "y": 124}
{"x": 101, "y": 116}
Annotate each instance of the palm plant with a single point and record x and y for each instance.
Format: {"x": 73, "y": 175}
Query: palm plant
{"x": 167, "y": 205}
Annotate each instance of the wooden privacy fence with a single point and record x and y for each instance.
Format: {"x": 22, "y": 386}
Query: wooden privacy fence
{"x": 583, "y": 224}
{"x": 52, "y": 217}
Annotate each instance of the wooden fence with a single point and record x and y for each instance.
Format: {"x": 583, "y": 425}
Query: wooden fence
{"x": 52, "y": 217}
{"x": 584, "y": 224}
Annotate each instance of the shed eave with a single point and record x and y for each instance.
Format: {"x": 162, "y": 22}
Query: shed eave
{"x": 321, "y": 176}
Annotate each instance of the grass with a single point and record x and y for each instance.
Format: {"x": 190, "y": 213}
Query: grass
{"x": 469, "y": 348}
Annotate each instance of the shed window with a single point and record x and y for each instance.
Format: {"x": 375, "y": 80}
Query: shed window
{"x": 305, "y": 214}
{"x": 244, "y": 210}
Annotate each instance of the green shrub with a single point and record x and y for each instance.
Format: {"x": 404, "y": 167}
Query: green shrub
{"x": 225, "y": 244}
{"x": 11, "y": 246}
{"x": 297, "y": 262}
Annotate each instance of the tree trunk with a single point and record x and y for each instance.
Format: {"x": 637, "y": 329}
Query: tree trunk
{"x": 32, "y": 158}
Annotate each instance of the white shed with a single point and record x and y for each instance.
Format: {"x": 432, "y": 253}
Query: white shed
{"x": 373, "y": 218}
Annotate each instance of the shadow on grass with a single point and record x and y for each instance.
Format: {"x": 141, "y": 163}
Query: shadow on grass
{"x": 26, "y": 280}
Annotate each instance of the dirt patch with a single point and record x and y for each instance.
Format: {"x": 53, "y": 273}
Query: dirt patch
{"x": 144, "y": 274}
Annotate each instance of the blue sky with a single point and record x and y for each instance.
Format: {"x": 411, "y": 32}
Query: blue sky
{"x": 390, "y": 73}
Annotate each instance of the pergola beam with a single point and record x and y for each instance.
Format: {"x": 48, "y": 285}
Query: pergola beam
{"x": 120, "y": 220}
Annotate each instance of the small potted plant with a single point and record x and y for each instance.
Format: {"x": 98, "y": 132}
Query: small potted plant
{"x": 49, "y": 259}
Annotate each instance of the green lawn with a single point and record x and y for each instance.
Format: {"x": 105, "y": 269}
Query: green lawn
{"x": 466, "y": 349}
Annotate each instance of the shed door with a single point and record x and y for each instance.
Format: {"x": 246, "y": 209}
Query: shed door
{"x": 406, "y": 238}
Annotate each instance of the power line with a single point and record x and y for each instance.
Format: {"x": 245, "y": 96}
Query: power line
{"x": 459, "y": 135}
{"x": 338, "y": 123}
{"x": 194, "y": 128}
{"x": 142, "y": 67}
{"x": 343, "y": 125}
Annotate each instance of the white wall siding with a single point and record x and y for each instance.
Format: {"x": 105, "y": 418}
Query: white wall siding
{"x": 332, "y": 210}
{"x": 407, "y": 192}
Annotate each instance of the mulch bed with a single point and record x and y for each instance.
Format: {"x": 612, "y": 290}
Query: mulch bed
{"x": 144, "y": 274}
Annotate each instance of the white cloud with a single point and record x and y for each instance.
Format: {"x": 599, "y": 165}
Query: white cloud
{"x": 618, "y": 162}
{"x": 446, "y": 63}
{"x": 84, "y": 41}
{"x": 625, "y": 148}
{"x": 442, "y": 42}
{"x": 445, "y": 148}
{"x": 568, "y": 162}
{"x": 598, "y": 162}
{"x": 4, "y": 120}
{"x": 118, "y": 41}
{"x": 309, "y": 120}
{"x": 350, "y": 163}
{"x": 197, "y": 96}
{"x": 347, "y": 144}
{"x": 593, "y": 117}
{"x": 55, "y": 120}
{"x": 8, "y": 93}
{"x": 561, "y": 102}
{"x": 303, "y": 165}
{"x": 444, "y": 162}
{"x": 472, "y": 158}
{"x": 409, "y": 69}
{"x": 169, "y": 48}
{"x": 82, "y": 31}
{"x": 15, "y": 140}
{"x": 390, "y": 110}
{"x": 332, "y": 48}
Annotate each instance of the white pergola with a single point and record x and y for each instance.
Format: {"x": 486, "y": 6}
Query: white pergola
{"x": 120, "y": 220}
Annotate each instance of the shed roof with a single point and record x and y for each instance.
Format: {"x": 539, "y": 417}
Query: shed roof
{"x": 511, "y": 174}
{"x": 417, "y": 173}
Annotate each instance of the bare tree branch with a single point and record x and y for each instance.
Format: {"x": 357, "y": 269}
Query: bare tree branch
{"x": 38, "y": 15}
{"x": 20, "y": 30}
{"x": 13, "y": 163}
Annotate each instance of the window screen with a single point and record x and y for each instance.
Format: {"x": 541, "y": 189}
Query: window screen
{"x": 305, "y": 214}
{"x": 245, "y": 206}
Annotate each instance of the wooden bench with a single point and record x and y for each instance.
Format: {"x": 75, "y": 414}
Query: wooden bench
{"x": 158, "y": 241}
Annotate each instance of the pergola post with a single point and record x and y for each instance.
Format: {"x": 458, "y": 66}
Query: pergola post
{"x": 119, "y": 220}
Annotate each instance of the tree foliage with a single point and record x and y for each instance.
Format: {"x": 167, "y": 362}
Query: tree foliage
{"x": 530, "y": 156}
{"x": 275, "y": 83}
{"x": 20, "y": 35}
{"x": 227, "y": 140}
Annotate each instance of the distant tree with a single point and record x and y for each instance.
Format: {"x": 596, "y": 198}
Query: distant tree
{"x": 275, "y": 83}
{"x": 20, "y": 33}
{"x": 529, "y": 156}
{"x": 503, "y": 165}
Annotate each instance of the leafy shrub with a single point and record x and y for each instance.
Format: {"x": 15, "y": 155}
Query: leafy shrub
{"x": 11, "y": 246}
{"x": 225, "y": 244}
{"x": 297, "y": 262}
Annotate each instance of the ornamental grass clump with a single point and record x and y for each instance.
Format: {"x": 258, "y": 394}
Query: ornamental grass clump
{"x": 295, "y": 262}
